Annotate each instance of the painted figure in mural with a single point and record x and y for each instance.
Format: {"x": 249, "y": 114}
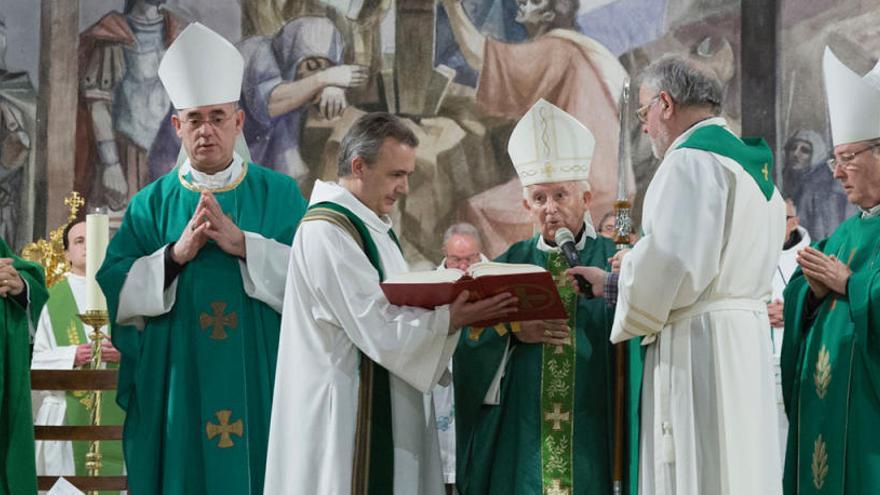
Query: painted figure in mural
{"x": 820, "y": 199}
{"x": 284, "y": 74}
{"x": 532, "y": 407}
{"x": 121, "y": 101}
{"x": 203, "y": 249}
{"x": 17, "y": 111}
{"x": 830, "y": 361}
{"x": 568, "y": 69}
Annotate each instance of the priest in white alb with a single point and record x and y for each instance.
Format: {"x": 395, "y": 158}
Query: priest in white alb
{"x": 696, "y": 288}
{"x": 349, "y": 414}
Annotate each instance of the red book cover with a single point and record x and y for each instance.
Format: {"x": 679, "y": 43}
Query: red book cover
{"x": 536, "y": 292}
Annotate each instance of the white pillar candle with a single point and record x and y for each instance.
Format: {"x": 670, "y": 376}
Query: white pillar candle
{"x": 97, "y": 238}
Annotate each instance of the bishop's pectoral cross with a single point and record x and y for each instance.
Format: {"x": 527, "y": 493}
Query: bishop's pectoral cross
{"x": 219, "y": 321}
{"x": 224, "y": 429}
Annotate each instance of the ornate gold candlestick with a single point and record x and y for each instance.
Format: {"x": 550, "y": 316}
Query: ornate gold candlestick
{"x": 95, "y": 319}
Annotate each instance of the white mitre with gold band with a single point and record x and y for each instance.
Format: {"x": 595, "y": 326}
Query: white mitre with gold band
{"x": 201, "y": 68}
{"x": 853, "y": 101}
{"x": 549, "y": 145}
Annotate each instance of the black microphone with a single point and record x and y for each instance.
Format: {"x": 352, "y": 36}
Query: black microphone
{"x": 565, "y": 241}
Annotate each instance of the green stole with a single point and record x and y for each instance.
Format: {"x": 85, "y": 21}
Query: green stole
{"x": 752, "y": 154}
{"x": 68, "y": 331}
{"x": 373, "y": 464}
{"x": 557, "y": 392}
{"x": 821, "y": 380}
{"x": 17, "y": 469}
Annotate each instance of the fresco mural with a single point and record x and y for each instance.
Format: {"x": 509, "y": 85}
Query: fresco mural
{"x": 459, "y": 71}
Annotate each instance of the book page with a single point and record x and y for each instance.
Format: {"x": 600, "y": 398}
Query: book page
{"x": 492, "y": 268}
{"x": 426, "y": 277}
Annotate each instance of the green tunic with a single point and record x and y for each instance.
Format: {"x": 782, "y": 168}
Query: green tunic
{"x": 18, "y": 473}
{"x": 197, "y": 382}
{"x": 552, "y": 429}
{"x": 831, "y": 373}
{"x": 69, "y": 330}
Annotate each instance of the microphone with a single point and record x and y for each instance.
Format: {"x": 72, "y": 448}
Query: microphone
{"x": 565, "y": 240}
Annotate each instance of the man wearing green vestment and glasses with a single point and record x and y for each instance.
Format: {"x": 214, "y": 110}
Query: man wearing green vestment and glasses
{"x": 533, "y": 406}
{"x": 62, "y": 342}
{"x": 194, "y": 281}
{"x": 830, "y": 357}
{"x": 22, "y": 295}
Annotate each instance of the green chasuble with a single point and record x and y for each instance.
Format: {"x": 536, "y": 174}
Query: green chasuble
{"x": 69, "y": 330}
{"x": 18, "y": 473}
{"x": 831, "y": 373}
{"x": 196, "y": 383}
{"x": 552, "y": 431}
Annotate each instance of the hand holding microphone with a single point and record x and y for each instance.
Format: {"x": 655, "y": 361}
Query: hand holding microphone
{"x": 565, "y": 240}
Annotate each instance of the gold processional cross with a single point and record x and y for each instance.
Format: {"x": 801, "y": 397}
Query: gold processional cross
{"x": 218, "y": 320}
{"x": 224, "y": 429}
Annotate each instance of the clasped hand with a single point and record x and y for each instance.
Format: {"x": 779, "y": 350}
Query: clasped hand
{"x": 209, "y": 222}
{"x": 823, "y": 273}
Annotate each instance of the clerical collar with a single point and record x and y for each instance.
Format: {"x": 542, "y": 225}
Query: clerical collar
{"x": 870, "y": 212}
{"x": 719, "y": 121}
{"x": 580, "y": 240}
{"x": 218, "y": 182}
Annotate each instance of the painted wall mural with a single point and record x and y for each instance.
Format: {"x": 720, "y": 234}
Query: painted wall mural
{"x": 459, "y": 71}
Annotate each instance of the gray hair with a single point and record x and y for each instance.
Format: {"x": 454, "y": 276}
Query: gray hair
{"x": 461, "y": 228}
{"x": 366, "y": 137}
{"x": 686, "y": 81}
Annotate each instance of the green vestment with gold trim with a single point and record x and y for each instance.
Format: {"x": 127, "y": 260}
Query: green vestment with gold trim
{"x": 831, "y": 372}
{"x": 552, "y": 431}
{"x": 196, "y": 383}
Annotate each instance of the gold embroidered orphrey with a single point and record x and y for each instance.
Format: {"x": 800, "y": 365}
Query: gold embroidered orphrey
{"x": 820, "y": 463}
{"x": 822, "y": 375}
{"x": 219, "y": 321}
{"x": 224, "y": 429}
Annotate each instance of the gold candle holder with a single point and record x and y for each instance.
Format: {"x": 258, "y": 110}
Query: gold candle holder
{"x": 95, "y": 319}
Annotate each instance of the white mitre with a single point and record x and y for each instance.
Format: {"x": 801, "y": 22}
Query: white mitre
{"x": 549, "y": 145}
{"x": 853, "y": 101}
{"x": 201, "y": 68}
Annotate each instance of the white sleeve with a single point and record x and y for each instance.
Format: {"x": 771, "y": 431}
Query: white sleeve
{"x": 493, "y": 393}
{"x": 265, "y": 272}
{"x": 679, "y": 256}
{"x": 413, "y": 343}
{"x": 143, "y": 293}
{"x": 47, "y": 355}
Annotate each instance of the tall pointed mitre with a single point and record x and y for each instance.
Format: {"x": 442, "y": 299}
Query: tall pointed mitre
{"x": 201, "y": 68}
{"x": 853, "y": 101}
{"x": 549, "y": 145}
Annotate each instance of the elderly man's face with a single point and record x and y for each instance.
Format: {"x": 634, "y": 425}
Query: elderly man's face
{"x": 208, "y": 134}
{"x": 461, "y": 251}
{"x": 533, "y": 11}
{"x": 798, "y": 154}
{"x": 557, "y": 205}
{"x": 607, "y": 227}
{"x": 653, "y": 123}
{"x": 860, "y": 177}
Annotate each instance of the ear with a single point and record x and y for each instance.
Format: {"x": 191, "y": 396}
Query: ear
{"x": 358, "y": 166}
{"x": 667, "y": 104}
{"x": 588, "y": 196}
{"x": 239, "y": 119}
{"x": 548, "y": 16}
{"x": 175, "y": 121}
{"x": 526, "y": 205}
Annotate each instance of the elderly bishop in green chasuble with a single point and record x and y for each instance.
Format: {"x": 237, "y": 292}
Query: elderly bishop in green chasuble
{"x": 831, "y": 345}
{"x": 534, "y": 400}
{"x": 194, "y": 281}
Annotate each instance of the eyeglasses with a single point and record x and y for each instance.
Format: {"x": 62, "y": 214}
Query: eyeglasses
{"x": 846, "y": 158}
{"x": 642, "y": 111}
{"x": 216, "y": 121}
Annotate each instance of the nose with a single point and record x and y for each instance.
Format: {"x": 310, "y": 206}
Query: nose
{"x": 839, "y": 172}
{"x": 404, "y": 185}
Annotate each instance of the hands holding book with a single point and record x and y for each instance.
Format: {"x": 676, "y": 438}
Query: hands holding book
{"x": 553, "y": 332}
{"x": 463, "y": 313}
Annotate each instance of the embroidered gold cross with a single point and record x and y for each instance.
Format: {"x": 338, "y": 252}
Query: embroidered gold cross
{"x": 224, "y": 429}
{"x": 766, "y": 172}
{"x": 218, "y": 320}
{"x": 557, "y": 416}
{"x": 556, "y": 488}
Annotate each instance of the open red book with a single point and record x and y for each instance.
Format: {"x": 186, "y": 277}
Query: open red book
{"x": 531, "y": 284}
